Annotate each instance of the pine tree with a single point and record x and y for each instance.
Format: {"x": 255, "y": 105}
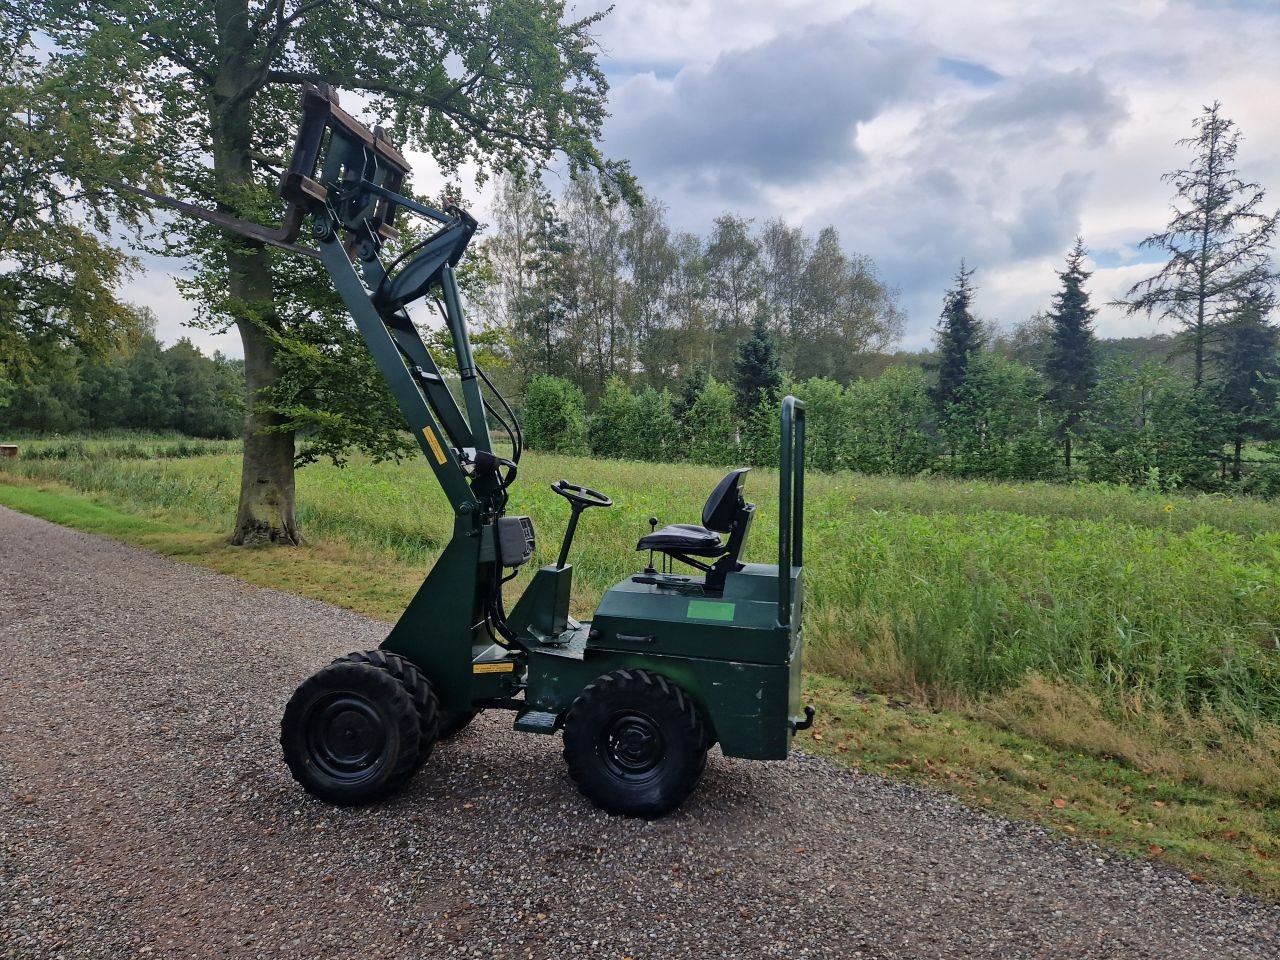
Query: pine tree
{"x": 1249, "y": 365}
{"x": 1071, "y": 367}
{"x": 960, "y": 339}
{"x": 755, "y": 370}
{"x": 1217, "y": 243}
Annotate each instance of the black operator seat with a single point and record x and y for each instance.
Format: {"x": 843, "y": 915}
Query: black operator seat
{"x": 726, "y": 511}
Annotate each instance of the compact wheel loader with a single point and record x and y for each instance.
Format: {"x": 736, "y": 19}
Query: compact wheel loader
{"x": 672, "y": 662}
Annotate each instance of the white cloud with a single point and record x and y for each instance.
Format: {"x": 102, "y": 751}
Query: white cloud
{"x": 1060, "y": 121}
{"x": 928, "y": 130}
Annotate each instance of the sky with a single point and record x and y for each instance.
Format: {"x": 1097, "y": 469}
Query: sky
{"x": 925, "y": 131}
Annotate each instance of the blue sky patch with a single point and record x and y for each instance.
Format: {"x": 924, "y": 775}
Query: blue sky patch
{"x": 968, "y": 71}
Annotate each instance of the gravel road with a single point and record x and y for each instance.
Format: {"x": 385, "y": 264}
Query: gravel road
{"x": 144, "y": 812}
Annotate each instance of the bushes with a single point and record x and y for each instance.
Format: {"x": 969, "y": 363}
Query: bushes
{"x": 610, "y": 428}
{"x": 998, "y": 427}
{"x": 711, "y": 427}
{"x": 555, "y": 416}
{"x": 889, "y": 419}
{"x": 653, "y": 433}
{"x": 1147, "y": 428}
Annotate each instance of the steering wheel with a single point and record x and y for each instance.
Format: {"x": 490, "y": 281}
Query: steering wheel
{"x": 582, "y": 496}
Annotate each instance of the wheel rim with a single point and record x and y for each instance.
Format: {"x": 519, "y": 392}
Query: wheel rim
{"x": 632, "y": 746}
{"x": 346, "y": 737}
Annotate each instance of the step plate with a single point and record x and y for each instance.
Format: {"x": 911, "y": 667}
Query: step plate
{"x": 536, "y": 721}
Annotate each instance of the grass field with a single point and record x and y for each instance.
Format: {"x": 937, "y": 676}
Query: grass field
{"x": 1103, "y": 660}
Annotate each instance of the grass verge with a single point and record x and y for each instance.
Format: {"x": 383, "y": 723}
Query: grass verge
{"x": 1168, "y": 796}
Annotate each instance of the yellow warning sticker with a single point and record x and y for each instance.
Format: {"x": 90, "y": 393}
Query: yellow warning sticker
{"x": 434, "y": 444}
{"x": 502, "y": 666}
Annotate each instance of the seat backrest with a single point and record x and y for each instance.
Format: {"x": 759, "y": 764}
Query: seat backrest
{"x": 725, "y": 501}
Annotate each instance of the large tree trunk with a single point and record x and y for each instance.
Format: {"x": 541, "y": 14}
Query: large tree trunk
{"x": 266, "y": 511}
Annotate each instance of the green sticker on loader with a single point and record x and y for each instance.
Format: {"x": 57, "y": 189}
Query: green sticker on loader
{"x": 710, "y": 610}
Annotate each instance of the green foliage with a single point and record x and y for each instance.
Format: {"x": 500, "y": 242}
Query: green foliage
{"x": 888, "y": 423}
{"x": 1148, "y": 427}
{"x": 589, "y": 290}
{"x": 756, "y": 374}
{"x": 1249, "y": 365}
{"x": 827, "y": 423}
{"x": 1071, "y": 368}
{"x": 711, "y": 428}
{"x": 1218, "y": 240}
{"x": 960, "y": 340}
{"x": 62, "y": 134}
{"x": 998, "y": 426}
{"x": 652, "y": 431}
{"x": 611, "y": 424}
{"x": 142, "y": 386}
{"x": 761, "y": 430}
{"x": 217, "y": 88}
{"x": 555, "y": 417}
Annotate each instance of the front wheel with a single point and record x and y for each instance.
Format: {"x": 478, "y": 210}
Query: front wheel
{"x": 635, "y": 743}
{"x": 351, "y": 734}
{"x": 431, "y": 718}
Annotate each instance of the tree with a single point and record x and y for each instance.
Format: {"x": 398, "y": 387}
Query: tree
{"x": 1071, "y": 367}
{"x": 733, "y": 270}
{"x": 784, "y": 251}
{"x": 844, "y": 310}
{"x": 1217, "y": 240}
{"x": 545, "y": 296}
{"x": 593, "y": 271}
{"x": 650, "y": 260}
{"x": 1250, "y": 371}
{"x": 505, "y": 85}
{"x": 755, "y": 369}
{"x": 59, "y": 140}
{"x": 153, "y": 395}
{"x": 960, "y": 340}
{"x": 1030, "y": 341}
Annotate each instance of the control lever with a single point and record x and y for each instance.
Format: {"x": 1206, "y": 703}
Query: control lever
{"x": 653, "y": 527}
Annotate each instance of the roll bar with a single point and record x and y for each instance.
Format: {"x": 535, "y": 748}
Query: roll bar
{"x": 790, "y": 502}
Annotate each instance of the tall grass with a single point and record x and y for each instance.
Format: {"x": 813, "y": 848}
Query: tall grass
{"x": 1150, "y": 603}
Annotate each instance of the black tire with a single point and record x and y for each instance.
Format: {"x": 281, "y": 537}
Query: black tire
{"x": 415, "y": 683}
{"x": 635, "y": 743}
{"x": 351, "y": 734}
{"x": 453, "y": 722}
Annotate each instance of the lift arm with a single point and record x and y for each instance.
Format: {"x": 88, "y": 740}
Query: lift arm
{"x": 346, "y": 179}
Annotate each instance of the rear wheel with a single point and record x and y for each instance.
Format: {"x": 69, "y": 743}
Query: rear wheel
{"x": 351, "y": 734}
{"x": 415, "y": 683}
{"x": 635, "y": 743}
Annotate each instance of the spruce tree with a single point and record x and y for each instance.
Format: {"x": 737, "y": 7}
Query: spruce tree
{"x": 1218, "y": 240}
{"x": 960, "y": 339}
{"x": 1071, "y": 367}
{"x": 1250, "y": 368}
{"x": 755, "y": 370}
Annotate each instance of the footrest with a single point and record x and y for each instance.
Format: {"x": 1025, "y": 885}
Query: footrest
{"x": 536, "y": 721}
